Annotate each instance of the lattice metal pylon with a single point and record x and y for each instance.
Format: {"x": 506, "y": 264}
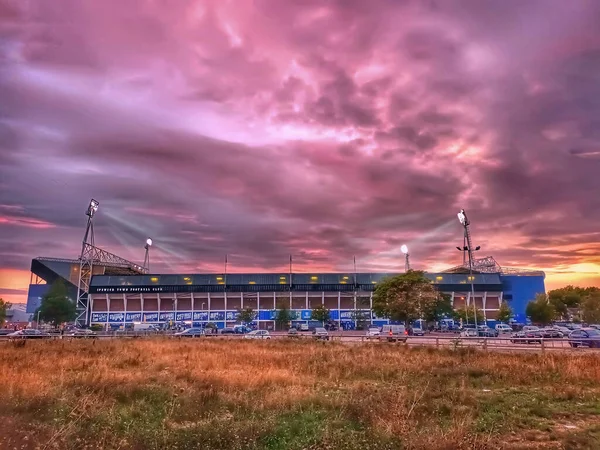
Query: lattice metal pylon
{"x": 85, "y": 266}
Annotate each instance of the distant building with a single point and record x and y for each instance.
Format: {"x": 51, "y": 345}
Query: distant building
{"x": 121, "y": 299}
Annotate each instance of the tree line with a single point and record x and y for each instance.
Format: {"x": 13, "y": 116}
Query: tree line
{"x": 570, "y": 303}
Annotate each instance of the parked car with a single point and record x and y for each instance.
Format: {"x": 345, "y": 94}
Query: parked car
{"x": 551, "y": 333}
{"x": 258, "y": 334}
{"x": 585, "y": 337}
{"x": 417, "y": 331}
{"x": 293, "y": 333}
{"x": 303, "y": 327}
{"x": 503, "y": 328}
{"x": 321, "y": 334}
{"x": 527, "y": 337}
{"x": 373, "y": 331}
{"x": 564, "y": 330}
{"x": 29, "y": 333}
{"x": 527, "y": 328}
{"x": 228, "y": 331}
{"x": 469, "y": 332}
{"x": 5, "y": 331}
{"x": 191, "y": 332}
{"x": 241, "y": 329}
{"x": 83, "y": 333}
{"x": 393, "y": 333}
{"x": 485, "y": 331}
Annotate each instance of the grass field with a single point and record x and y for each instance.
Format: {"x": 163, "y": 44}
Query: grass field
{"x": 170, "y": 394}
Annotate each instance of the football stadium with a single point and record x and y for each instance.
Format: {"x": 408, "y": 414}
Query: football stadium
{"x": 117, "y": 293}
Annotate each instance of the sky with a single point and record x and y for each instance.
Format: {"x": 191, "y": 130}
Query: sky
{"x": 321, "y": 129}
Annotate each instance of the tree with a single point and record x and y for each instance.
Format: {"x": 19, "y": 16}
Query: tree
{"x": 405, "y": 297}
{"x": 56, "y": 308}
{"x": 569, "y": 297}
{"x": 468, "y": 315}
{"x": 504, "y": 313}
{"x": 438, "y": 309}
{"x": 283, "y": 315}
{"x": 540, "y": 310}
{"x": 4, "y": 307}
{"x": 245, "y": 316}
{"x": 590, "y": 307}
{"x": 320, "y": 313}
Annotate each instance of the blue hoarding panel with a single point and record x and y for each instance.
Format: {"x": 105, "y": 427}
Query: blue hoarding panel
{"x": 183, "y": 315}
{"x": 133, "y": 317}
{"x": 165, "y": 316}
{"x": 151, "y": 317}
{"x": 99, "y": 317}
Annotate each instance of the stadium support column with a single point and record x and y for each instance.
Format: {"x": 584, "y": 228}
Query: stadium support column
{"x": 306, "y": 300}
{"x": 209, "y": 308}
{"x": 485, "y": 307}
{"x": 158, "y": 303}
{"x": 193, "y": 306}
{"x": 124, "y": 311}
{"x": 175, "y": 307}
{"x": 258, "y": 309}
{"x": 371, "y": 307}
{"x": 339, "y": 307}
{"x": 107, "y": 310}
{"x": 142, "y": 306}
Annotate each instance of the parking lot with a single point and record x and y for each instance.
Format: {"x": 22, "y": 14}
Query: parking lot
{"x": 437, "y": 340}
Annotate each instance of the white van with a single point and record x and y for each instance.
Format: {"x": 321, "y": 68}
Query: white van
{"x": 149, "y": 327}
{"x": 503, "y": 328}
{"x": 393, "y": 333}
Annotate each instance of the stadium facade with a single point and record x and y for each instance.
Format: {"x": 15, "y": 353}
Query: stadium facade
{"x": 121, "y": 296}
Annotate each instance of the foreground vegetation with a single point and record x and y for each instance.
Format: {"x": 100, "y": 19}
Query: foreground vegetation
{"x": 169, "y": 394}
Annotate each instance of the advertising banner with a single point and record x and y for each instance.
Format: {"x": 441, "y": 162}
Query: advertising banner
{"x": 99, "y": 317}
{"x": 231, "y": 315}
{"x": 184, "y": 316}
{"x": 150, "y": 317}
{"x": 133, "y": 317}
{"x": 201, "y": 316}
{"x": 165, "y": 316}
{"x": 116, "y": 317}
{"x": 346, "y": 315}
{"x": 305, "y": 314}
{"x": 217, "y": 316}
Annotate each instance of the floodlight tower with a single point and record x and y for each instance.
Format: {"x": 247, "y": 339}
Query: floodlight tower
{"x": 147, "y": 257}
{"x": 468, "y": 248}
{"x": 404, "y": 249}
{"x": 86, "y": 262}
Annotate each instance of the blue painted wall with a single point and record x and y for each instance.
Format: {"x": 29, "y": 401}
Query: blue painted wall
{"x": 520, "y": 290}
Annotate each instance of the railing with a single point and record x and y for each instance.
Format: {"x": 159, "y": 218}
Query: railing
{"x": 446, "y": 342}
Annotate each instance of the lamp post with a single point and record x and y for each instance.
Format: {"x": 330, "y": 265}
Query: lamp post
{"x": 404, "y": 249}
{"x": 37, "y": 326}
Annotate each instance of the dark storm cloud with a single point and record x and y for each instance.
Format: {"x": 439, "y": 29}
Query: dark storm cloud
{"x": 324, "y": 130}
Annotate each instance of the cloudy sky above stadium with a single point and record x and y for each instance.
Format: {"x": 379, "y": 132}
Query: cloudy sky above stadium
{"x": 321, "y": 129}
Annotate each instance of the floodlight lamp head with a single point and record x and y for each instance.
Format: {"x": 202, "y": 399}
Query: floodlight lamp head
{"x": 462, "y": 218}
{"x": 149, "y": 242}
{"x": 92, "y": 208}
{"x": 404, "y": 249}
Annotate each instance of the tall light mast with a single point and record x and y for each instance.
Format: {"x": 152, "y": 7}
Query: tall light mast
{"x": 468, "y": 249}
{"x": 86, "y": 262}
{"x": 147, "y": 256}
{"x": 404, "y": 249}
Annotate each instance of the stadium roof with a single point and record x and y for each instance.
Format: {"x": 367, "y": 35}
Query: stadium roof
{"x": 490, "y": 265}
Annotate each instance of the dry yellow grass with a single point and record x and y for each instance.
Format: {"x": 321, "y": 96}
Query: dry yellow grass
{"x": 163, "y": 394}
